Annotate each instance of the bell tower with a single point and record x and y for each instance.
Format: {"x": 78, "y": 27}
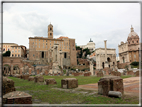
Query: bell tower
{"x": 50, "y": 31}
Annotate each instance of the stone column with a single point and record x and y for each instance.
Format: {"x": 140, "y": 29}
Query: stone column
{"x": 91, "y": 67}
{"x": 11, "y": 67}
{"x": 106, "y": 63}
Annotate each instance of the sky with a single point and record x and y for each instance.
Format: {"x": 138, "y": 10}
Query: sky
{"x": 81, "y": 21}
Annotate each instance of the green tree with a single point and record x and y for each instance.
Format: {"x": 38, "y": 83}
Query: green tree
{"x": 87, "y": 52}
{"x": 7, "y": 53}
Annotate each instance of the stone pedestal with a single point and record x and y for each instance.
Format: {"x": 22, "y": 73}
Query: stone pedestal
{"x": 38, "y": 79}
{"x": 17, "y": 97}
{"x": 50, "y": 81}
{"x": 130, "y": 72}
{"x": 31, "y": 78}
{"x": 110, "y": 83}
{"x": 100, "y": 74}
{"x": 68, "y": 83}
{"x": 55, "y": 68}
{"x": 7, "y": 86}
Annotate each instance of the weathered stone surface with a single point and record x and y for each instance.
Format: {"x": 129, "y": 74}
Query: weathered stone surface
{"x": 110, "y": 83}
{"x": 100, "y": 74}
{"x": 26, "y": 77}
{"x": 107, "y": 70}
{"x": 17, "y": 75}
{"x": 7, "y": 86}
{"x": 31, "y": 78}
{"x": 96, "y": 71}
{"x": 87, "y": 73}
{"x": 17, "y": 97}
{"x": 38, "y": 79}
{"x": 115, "y": 94}
{"x": 137, "y": 73}
{"x": 69, "y": 83}
{"x": 130, "y": 72}
{"x": 115, "y": 73}
{"x": 104, "y": 87}
{"x": 117, "y": 85}
{"x": 50, "y": 81}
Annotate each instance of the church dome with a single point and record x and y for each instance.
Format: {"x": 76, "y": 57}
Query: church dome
{"x": 132, "y": 34}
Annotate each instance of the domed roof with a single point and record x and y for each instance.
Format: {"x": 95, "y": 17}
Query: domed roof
{"x": 132, "y": 33}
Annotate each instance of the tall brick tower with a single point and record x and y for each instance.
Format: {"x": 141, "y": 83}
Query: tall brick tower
{"x": 50, "y": 31}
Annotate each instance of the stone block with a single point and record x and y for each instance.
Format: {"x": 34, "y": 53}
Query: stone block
{"x": 38, "y": 79}
{"x": 26, "y": 77}
{"x": 117, "y": 85}
{"x": 17, "y": 97}
{"x": 107, "y": 70}
{"x": 104, "y": 87}
{"x": 69, "y": 83}
{"x": 50, "y": 81}
{"x": 130, "y": 72}
{"x": 7, "y": 86}
{"x": 110, "y": 83}
{"x": 31, "y": 78}
{"x": 137, "y": 73}
{"x": 87, "y": 74}
{"x": 100, "y": 74}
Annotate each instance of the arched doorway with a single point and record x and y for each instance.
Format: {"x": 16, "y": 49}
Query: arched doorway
{"x": 16, "y": 69}
{"x": 42, "y": 54}
{"x": 108, "y": 60}
{"x": 123, "y": 59}
{"x": 103, "y": 65}
{"x": 6, "y": 70}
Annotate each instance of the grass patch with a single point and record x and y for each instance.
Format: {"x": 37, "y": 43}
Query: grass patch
{"x": 46, "y": 94}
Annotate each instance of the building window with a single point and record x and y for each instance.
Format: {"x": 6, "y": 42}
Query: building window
{"x": 15, "y": 55}
{"x": 12, "y": 55}
{"x": 43, "y": 40}
{"x": 50, "y": 34}
{"x": 137, "y": 41}
{"x": 33, "y": 42}
{"x": 39, "y": 40}
{"x": 43, "y": 46}
{"x": 134, "y": 56}
{"x": 39, "y": 46}
{"x": 33, "y": 55}
{"x": 12, "y": 47}
{"x": 18, "y": 47}
{"x": 46, "y": 46}
{"x": 18, "y": 55}
{"x": 15, "y": 47}
{"x": 15, "y": 51}
{"x": 46, "y": 43}
{"x": 46, "y": 40}
{"x": 133, "y": 41}
{"x": 50, "y": 28}
{"x": 33, "y": 46}
{"x": 19, "y": 51}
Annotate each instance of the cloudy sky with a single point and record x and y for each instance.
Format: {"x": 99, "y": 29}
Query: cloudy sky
{"x": 82, "y": 21}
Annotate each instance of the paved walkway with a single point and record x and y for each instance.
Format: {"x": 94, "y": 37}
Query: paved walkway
{"x": 131, "y": 86}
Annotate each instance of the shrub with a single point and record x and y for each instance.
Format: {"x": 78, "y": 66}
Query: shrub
{"x": 135, "y": 63}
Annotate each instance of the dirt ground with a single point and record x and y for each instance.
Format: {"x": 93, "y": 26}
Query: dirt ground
{"x": 131, "y": 86}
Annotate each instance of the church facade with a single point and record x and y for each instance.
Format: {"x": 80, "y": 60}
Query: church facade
{"x": 129, "y": 51}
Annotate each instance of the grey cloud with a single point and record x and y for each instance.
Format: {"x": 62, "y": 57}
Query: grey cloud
{"x": 35, "y": 23}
